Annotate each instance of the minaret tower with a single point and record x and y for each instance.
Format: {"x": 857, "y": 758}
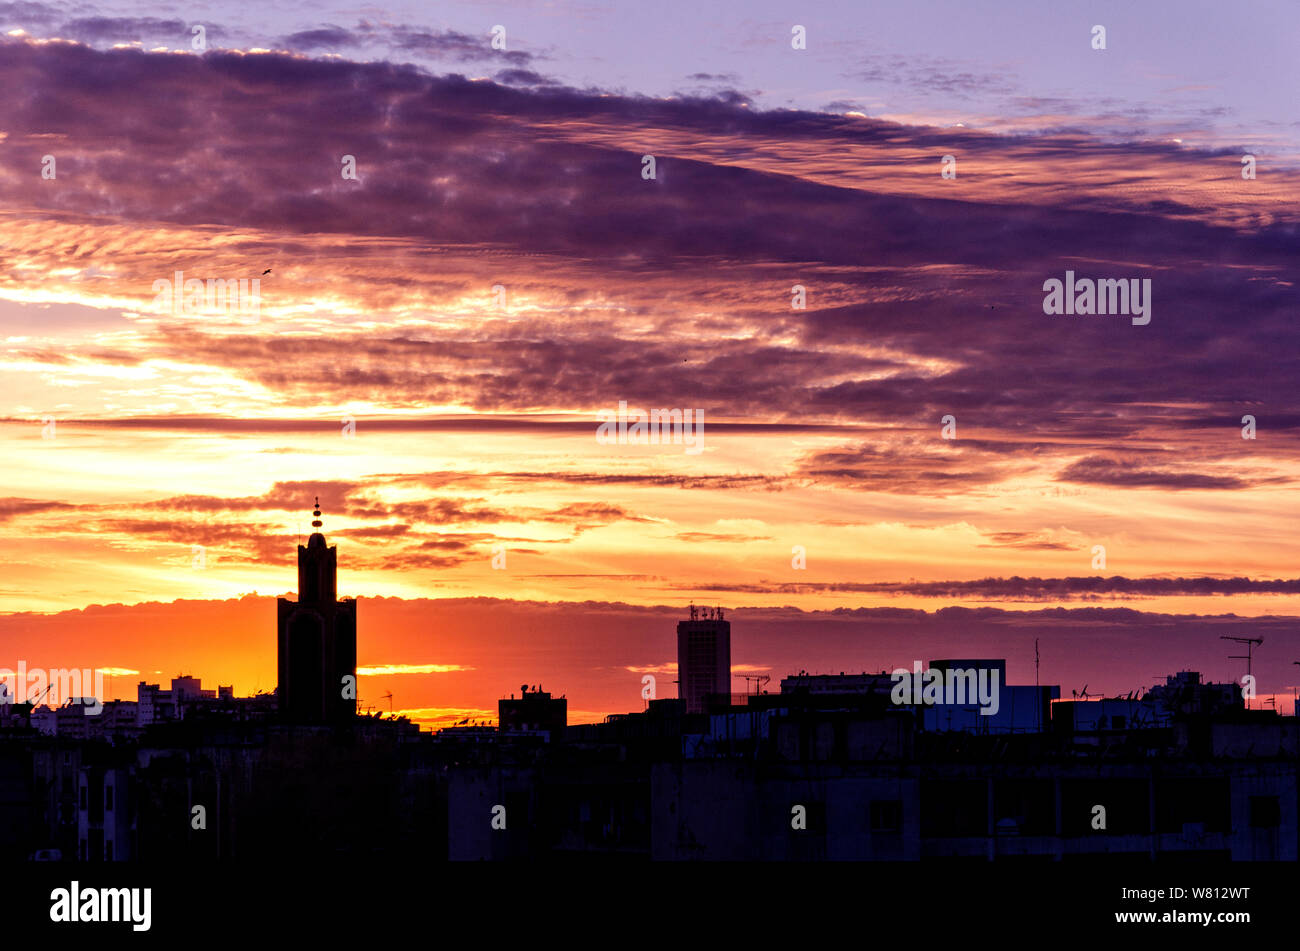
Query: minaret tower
{"x": 317, "y": 640}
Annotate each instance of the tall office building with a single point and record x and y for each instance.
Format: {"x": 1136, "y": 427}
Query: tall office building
{"x": 703, "y": 657}
{"x": 317, "y": 640}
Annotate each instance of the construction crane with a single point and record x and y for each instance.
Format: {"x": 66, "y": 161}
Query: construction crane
{"x": 27, "y": 706}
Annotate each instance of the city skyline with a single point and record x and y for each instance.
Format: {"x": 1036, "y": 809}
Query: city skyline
{"x": 618, "y": 687}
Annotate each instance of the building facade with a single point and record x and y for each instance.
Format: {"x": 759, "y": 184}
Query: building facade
{"x": 703, "y": 657}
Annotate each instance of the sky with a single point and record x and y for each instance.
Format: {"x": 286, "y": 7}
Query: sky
{"x": 464, "y": 263}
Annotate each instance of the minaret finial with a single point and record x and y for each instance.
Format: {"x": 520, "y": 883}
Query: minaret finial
{"x": 316, "y": 513}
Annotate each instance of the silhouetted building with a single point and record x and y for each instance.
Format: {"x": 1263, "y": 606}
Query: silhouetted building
{"x": 317, "y": 640}
{"x": 1017, "y": 708}
{"x": 815, "y": 685}
{"x": 1185, "y": 693}
{"x": 156, "y": 705}
{"x": 703, "y": 657}
{"x": 187, "y": 697}
{"x": 534, "y": 712}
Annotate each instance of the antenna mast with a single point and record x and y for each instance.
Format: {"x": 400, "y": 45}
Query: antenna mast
{"x": 1251, "y": 643}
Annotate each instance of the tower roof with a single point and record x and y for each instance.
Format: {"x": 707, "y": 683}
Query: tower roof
{"x": 317, "y": 540}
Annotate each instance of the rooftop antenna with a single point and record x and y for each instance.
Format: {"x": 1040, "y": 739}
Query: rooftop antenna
{"x": 755, "y": 682}
{"x": 1251, "y": 643}
{"x": 1038, "y": 700}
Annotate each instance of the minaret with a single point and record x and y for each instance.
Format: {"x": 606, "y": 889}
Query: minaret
{"x": 317, "y": 640}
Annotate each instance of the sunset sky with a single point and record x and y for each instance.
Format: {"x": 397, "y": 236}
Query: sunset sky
{"x": 160, "y": 466}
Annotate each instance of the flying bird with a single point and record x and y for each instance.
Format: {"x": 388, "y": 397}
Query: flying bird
{"x": 266, "y": 272}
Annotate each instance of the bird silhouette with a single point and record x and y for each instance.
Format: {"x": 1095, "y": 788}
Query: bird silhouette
{"x": 266, "y": 272}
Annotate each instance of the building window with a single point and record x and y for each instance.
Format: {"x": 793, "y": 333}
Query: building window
{"x": 108, "y": 798}
{"x": 886, "y": 815}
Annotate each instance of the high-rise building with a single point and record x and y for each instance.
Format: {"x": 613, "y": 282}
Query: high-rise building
{"x": 703, "y": 657}
{"x": 317, "y": 640}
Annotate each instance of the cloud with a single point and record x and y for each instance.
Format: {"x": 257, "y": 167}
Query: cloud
{"x": 102, "y": 29}
{"x": 1035, "y": 589}
{"x": 522, "y": 77}
{"x": 668, "y": 667}
{"x": 1028, "y": 541}
{"x": 719, "y": 537}
{"x": 1098, "y": 470}
{"x": 924, "y": 300}
{"x": 451, "y": 44}
{"x": 325, "y": 37}
{"x": 385, "y": 669}
{"x": 11, "y": 508}
{"x": 747, "y": 205}
{"x": 932, "y": 75}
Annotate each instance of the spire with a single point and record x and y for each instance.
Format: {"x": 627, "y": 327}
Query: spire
{"x": 316, "y": 564}
{"x": 317, "y": 540}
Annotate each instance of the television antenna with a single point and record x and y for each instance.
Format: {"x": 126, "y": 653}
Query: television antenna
{"x": 757, "y": 680}
{"x": 1251, "y": 643}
